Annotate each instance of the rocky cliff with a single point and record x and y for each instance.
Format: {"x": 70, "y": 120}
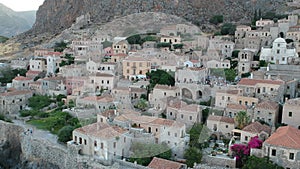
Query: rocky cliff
{"x": 56, "y": 15}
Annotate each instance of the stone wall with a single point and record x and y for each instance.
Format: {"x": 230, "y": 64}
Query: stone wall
{"x": 219, "y": 161}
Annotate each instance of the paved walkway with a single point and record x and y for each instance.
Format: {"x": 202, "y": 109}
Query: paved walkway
{"x": 37, "y": 133}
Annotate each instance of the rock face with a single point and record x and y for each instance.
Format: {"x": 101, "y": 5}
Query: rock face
{"x": 56, "y": 15}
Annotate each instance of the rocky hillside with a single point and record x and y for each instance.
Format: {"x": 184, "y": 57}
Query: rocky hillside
{"x": 56, "y": 15}
{"x": 13, "y": 23}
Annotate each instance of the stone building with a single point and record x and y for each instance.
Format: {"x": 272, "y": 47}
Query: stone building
{"x": 103, "y": 141}
{"x": 290, "y": 113}
{"x": 253, "y": 129}
{"x": 100, "y": 103}
{"x": 135, "y": 67}
{"x": 21, "y": 82}
{"x": 11, "y": 102}
{"x": 160, "y": 93}
{"x": 214, "y": 64}
{"x": 171, "y": 132}
{"x": 184, "y": 113}
{"x": 264, "y": 22}
{"x": 267, "y": 111}
{"x": 283, "y": 147}
{"x": 266, "y": 89}
{"x": 279, "y": 53}
{"x": 245, "y": 57}
{"x": 232, "y": 109}
{"x": 220, "y": 124}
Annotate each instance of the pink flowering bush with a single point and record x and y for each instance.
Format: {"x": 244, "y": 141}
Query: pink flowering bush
{"x": 242, "y": 151}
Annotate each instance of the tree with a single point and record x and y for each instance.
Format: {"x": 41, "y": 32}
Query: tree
{"x": 192, "y": 155}
{"x": 228, "y": 29}
{"x": 134, "y": 39}
{"x": 65, "y": 134}
{"x": 216, "y": 19}
{"x": 235, "y": 54}
{"x": 160, "y": 77}
{"x": 178, "y": 46}
{"x": 60, "y": 46}
{"x": 242, "y": 119}
{"x": 142, "y": 104}
{"x": 254, "y": 162}
{"x": 230, "y": 74}
{"x": 163, "y": 45}
{"x": 143, "y": 153}
{"x": 38, "y": 102}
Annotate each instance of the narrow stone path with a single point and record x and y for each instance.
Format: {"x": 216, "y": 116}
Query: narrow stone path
{"x": 37, "y": 133}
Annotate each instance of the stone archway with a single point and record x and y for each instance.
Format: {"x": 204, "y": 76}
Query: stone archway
{"x": 187, "y": 94}
{"x": 199, "y": 94}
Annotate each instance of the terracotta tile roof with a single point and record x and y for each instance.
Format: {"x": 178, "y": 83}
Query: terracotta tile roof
{"x": 252, "y": 82}
{"x": 99, "y": 98}
{"x": 286, "y": 136}
{"x": 295, "y": 102}
{"x": 177, "y": 104}
{"x": 104, "y": 74}
{"x": 236, "y": 106}
{"x": 101, "y": 130}
{"x": 268, "y": 105}
{"x": 33, "y": 72}
{"x": 164, "y": 122}
{"x": 159, "y": 163}
{"x": 192, "y": 108}
{"x": 16, "y": 92}
{"x": 221, "y": 119}
{"x": 257, "y": 127}
{"x": 22, "y": 78}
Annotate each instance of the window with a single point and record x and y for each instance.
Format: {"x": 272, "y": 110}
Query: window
{"x": 171, "y": 113}
{"x": 102, "y": 146}
{"x": 175, "y": 134}
{"x": 95, "y": 143}
{"x": 226, "y": 126}
{"x": 290, "y": 114}
{"x": 291, "y": 156}
{"x": 182, "y": 116}
{"x": 273, "y": 152}
{"x": 80, "y": 140}
{"x": 115, "y": 144}
{"x": 75, "y": 138}
{"x": 168, "y": 133}
{"x": 246, "y": 138}
{"x": 278, "y": 51}
{"x": 84, "y": 141}
{"x": 191, "y": 118}
{"x": 124, "y": 139}
{"x": 165, "y": 93}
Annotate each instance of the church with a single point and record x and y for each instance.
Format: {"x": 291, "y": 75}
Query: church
{"x": 279, "y": 53}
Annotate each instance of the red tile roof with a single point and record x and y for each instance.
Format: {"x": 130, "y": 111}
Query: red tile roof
{"x": 236, "y": 106}
{"x": 268, "y": 105}
{"x": 101, "y": 130}
{"x": 16, "y": 92}
{"x": 257, "y": 127}
{"x": 286, "y": 136}
{"x": 252, "y": 82}
{"x": 22, "y": 78}
{"x": 159, "y": 163}
{"x": 221, "y": 119}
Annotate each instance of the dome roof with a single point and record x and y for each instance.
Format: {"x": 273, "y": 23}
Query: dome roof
{"x": 279, "y": 40}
